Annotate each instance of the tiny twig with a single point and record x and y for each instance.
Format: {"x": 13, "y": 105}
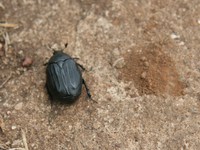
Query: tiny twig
{"x": 7, "y": 42}
{"x": 6, "y": 80}
{"x": 24, "y": 139}
{"x": 16, "y": 149}
{"x": 2, "y": 6}
{"x": 8, "y": 25}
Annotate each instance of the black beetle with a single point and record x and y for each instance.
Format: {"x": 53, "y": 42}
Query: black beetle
{"x": 64, "y": 78}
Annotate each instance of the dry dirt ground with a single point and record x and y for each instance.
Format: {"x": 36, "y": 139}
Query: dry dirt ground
{"x": 143, "y": 69}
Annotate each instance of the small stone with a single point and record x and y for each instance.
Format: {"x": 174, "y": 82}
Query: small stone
{"x": 110, "y": 120}
{"x": 143, "y": 58}
{"x": 146, "y": 64}
{"x": 96, "y": 125}
{"x": 13, "y": 127}
{"x": 143, "y": 75}
{"x": 19, "y": 106}
{"x": 70, "y": 127}
{"x": 21, "y": 52}
{"x": 119, "y": 63}
{"x": 181, "y": 43}
{"x": 198, "y": 21}
{"x": 116, "y": 52}
{"x": 27, "y": 62}
{"x": 8, "y": 112}
{"x": 128, "y": 50}
{"x": 174, "y": 36}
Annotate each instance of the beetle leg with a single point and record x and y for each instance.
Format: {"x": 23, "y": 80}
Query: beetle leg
{"x": 66, "y": 44}
{"x": 81, "y": 67}
{"x": 76, "y": 58}
{"x": 87, "y": 90}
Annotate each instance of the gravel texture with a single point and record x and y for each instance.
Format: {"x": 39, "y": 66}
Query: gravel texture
{"x": 143, "y": 69}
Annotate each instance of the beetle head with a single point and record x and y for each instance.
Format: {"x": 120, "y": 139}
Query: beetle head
{"x": 57, "y": 51}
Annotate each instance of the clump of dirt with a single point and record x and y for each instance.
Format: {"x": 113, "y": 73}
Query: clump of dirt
{"x": 152, "y": 71}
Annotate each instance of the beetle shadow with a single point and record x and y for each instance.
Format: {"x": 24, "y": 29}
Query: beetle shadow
{"x": 57, "y": 107}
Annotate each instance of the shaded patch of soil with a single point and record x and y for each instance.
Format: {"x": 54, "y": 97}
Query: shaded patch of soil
{"x": 152, "y": 71}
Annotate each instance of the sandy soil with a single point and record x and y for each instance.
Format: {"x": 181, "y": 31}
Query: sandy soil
{"x": 143, "y": 68}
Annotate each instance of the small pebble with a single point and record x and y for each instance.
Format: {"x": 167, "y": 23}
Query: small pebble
{"x": 19, "y": 106}
{"x": 181, "y": 43}
{"x": 116, "y": 52}
{"x": 146, "y": 64}
{"x": 198, "y": 21}
{"x": 128, "y": 50}
{"x": 174, "y": 36}
{"x": 70, "y": 127}
{"x": 13, "y": 127}
{"x": 110, "y": 120}
{"x": 143, "y": 58}
{"x": 143, "y": 75}
{"x": 21, "y": 52}
{"x": 27, "y": 62}
{"x": 96, "y": 125}
{"x": 8, "y": 112}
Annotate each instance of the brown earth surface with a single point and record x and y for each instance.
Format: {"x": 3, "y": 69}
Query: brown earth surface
{"x": 152, "y": 71}
{"x": 143, "y": 69}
